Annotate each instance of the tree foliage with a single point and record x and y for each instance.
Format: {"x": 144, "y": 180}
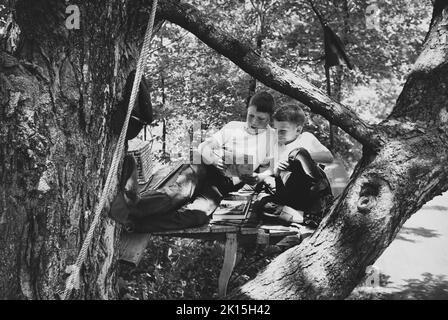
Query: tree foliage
{"x": 200, "y": 85}
{"x": 192, "y": 82}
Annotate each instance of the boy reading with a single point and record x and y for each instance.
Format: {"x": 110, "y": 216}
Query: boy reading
{"x": 241, "y": 143}
{"x": 300, "y": 183}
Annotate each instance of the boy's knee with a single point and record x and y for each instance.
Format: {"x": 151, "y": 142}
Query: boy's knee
{"x": 300, "y": 155}
{"x": 300, "y": 162}
{"x": 200, "y": 170}
{"x": 303, "y": 165}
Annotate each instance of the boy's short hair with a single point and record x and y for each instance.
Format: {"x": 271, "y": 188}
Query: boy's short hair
{"x": 263, "y": 101}
{"x": 290, "y": 113}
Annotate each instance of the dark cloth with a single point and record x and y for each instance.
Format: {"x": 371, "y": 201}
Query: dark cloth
{"x": 142, "y": 113}
{"x": 186, "y": 200}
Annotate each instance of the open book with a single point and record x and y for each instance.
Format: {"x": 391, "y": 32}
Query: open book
{"x": 230, "y": 211}
{"x": 235, "y": 206}
{"x": 238, "y": 165}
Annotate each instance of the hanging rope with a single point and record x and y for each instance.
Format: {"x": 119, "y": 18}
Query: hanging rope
{"x": 73, "y": 279}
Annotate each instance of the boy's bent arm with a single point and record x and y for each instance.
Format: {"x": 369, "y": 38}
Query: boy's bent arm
{"x": 322, "y": 156}
{"x": 319, "y": 152}
{"x": 206, "y": 149}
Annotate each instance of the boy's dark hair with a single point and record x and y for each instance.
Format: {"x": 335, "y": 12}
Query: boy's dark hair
{"x": 291, "y": 113}
{"x": 263, "y": 101}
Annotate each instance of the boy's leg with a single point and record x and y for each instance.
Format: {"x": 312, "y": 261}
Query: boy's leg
{"x": 222, "y": 183}
{"x": 307, "y": 188}
{"x": 164, "y": 203}
{"x": 206, "y": 201}
{"x": 178, "y": 191}
{"x": 183, "y": 188}
{"x": 127, "y": 191}
{"x": 194, "y": 214}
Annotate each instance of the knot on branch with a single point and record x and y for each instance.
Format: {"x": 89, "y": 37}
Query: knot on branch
{"x": 369, "y": 195}
{"x": 365, "y": 204}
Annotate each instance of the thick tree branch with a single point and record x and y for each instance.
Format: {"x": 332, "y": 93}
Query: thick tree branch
{"x": 429, "y": 77}
{"x": 284, "y": 81}
{"x": 385, "y": 190}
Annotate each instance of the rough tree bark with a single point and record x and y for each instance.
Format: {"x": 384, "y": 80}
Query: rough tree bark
{"x": 56, "y": 96}
{"x": 403, "y": 165}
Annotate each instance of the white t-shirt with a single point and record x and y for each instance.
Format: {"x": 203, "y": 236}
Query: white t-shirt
{"x": 307, "y": 141}
{"x": 234, "y": 138}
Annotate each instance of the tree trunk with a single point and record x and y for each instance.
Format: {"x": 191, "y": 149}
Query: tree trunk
{"x": 253, "y": 81}
{"x": 403, "y": 166}
{"x": 259, "y": 38}
{"x": 57, "y": 94}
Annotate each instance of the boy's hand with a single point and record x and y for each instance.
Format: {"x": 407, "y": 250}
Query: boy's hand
{"x": 254, "y": 178}
{"x": 219, "y": 164}
{"x": 211, "y": 158}
{"x": 207, "y": 150}
{"x": 282, "y": 166}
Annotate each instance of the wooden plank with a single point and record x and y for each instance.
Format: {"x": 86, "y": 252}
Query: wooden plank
{"x": 275, "y": 227}
{"x": 132, "y": 247}
{"x": 248, "y": 230}
{"x": 230, "y": 253}
{"x": 201, "y": 230}
{"x": 279, "y": 231}
{"x": 263, "y": 237}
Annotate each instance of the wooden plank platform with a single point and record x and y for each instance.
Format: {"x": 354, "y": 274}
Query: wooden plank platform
{"x": 232, "y": 233}
{"x": 133, "y": 245}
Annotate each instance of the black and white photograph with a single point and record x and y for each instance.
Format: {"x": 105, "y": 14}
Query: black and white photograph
{"x": 236, "y": 152}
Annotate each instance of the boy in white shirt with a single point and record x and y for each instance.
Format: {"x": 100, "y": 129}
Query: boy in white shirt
{"x": 300, "y": 183}
{"x": 253, "y": 139}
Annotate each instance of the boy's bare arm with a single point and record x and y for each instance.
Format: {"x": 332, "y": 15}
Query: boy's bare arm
{"x": 319, "y": 152}
{"x": 322, "y": 156}
{"x": 207, "y": 151}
